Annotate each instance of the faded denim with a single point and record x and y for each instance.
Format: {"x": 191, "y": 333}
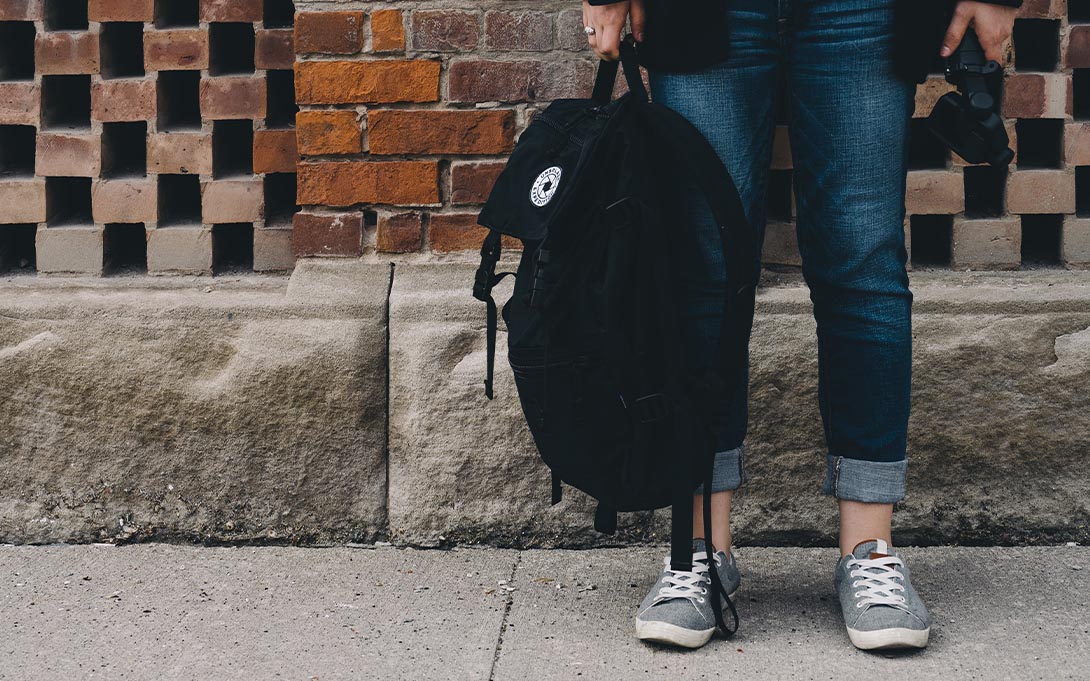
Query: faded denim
{"x": 848, "y": 116}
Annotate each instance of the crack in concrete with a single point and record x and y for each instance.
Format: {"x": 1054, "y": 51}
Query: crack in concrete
{"x": 504, "y": 619}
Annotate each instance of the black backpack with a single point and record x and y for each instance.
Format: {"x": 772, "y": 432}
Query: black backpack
{"x": 594, "y": 340}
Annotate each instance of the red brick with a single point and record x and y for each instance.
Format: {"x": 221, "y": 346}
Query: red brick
{"x": 1041, "y": 191}
{"x": 124, "y": 200}
{"x": 123, "y": 99}
{"x": 235, "y": 200}
{"x": 329, "y": 32}
{"x": 274, "y": 151}
{"x": 519, "y": 31}
{"x": 20, "y": 10}
{"x": 180, "y": 153}
{"x": 274, "y": 49}
{"x": 386, "y": 182}
{"x": 399, "y": 233}
{"x": 20, "y": 103}
{"x": 444, "y": 30}
{"x": 387, "y": 31}
{"x": 472, "y": 182}
{"x": 1035, "y": 95}
{"x": 327, "y": 234}
{"x": 934, "y": 192}
{"x": 398, "y": 131}
{"x": 66, "y": 52}
{"x": 328, "y": 132}
{"x": 67, "y": 154}
{"x": 351, "y": 82}
{"x": 121, "y": 10}
{"x": 569, "y": 30}
{"x": 481, "y": 80}
{"x": 233, "y": 97}
{"x": 231, "y": 10}
{"x": 454, "y": 232}
{"x": 22, "y": 200}
{"x": 1043, "y": 9}
{"x": 177, "y": 49}
{"x": 1077, "y": 54}
{"x": 1077, "y": 144}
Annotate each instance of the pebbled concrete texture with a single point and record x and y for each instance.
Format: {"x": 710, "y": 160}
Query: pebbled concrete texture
{"x": 162, "y": 612}
{"x": 209, "y": 410}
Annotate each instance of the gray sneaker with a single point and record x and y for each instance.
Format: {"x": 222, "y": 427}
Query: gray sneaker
{"x": 880, "y": 607}
{"x": 678, "y": 609}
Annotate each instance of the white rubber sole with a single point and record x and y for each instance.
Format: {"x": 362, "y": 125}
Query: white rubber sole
{"x": 673, "y": 635}
{"x": 886, "y": 639}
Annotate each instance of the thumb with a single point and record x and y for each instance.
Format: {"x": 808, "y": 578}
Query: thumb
{"x": 639, "y": 19}
{"x": 955, "y": 32}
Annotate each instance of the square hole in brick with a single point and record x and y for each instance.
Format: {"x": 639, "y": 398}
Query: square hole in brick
{"x": 66, "y": 102}
{"x": 65, "y": 15}
{"x": 67, "y": 201}
{"x": 985, "y": 188}
{"x": 279, "y": 13}
{"x": 931, "y": 237}
{"x": 1041, "y": 240}
{"x": 16, "y": 50}
{"x": 17, "y": 251}
{"x": 124, "y": 149}
{"x": 16, "y": 150}
{"x": 171, "y": 13}
{"x": 233, "y": 248}
{"x": 280, "y": 204}
{"x": 280, "y": 108}
{"x": 1078, "y": 11}
{"x": 121, "y": 49}
{"x": 1040, "y": 142}
{"x": 232, "y": 148}
{"x": 231, "y": 48}
{"x": 1082, "y": 191}
{"x": 779, "y": 195}
{"x": 178, "y": 94}
{"x": 1036, "y": 44}
{"x": 125, "y": 248}
{"x": 925, "y": 151}
{"x": 179, "y": 200}
{"x": 1080, "y": 94}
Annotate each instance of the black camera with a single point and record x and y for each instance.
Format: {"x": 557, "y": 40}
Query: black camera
{"x": 967, "y": 120}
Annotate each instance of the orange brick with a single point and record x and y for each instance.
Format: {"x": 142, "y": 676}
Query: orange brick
{"x": 440, "y": 132}
{"x": 327, "y": 132}
{"x": 120, "y": 10}
{"x": 233, "y": 97}
{"x": 274, "y": 151}
{"x": 387, "y": 31}
{"x": 274, "y": 49}
{"x": 68, "y": 154}
{"x": 454, "y": 232}
{"x": 240, "y": 200}
{"x": 20, "y": 10}
{"x": 472, "y": 182}
{"x": 1077, "y": 144}
{"x": 20, "y": 103}
{"x": 123, "y": 99}
{"x": 386, "y": 182}
{"x": 350, "y": 82}
{"x": 179, "y": 49}
{"x": 22, "y": 200}
{"x": 399, "y": 233}
{"x": 124, "y": 200}
{"x": 231, "y": 10}
{"x": 934, "y": 192}
{"x": 1041, "y": 191}
{"x": 327, "y": 234}
{"x": 180, "y": 153}
{"x": 66, "y": 52}
{"x": 329, "y": 32}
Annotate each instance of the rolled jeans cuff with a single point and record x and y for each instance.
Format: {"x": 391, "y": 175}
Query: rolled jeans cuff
{"x": 729, "y": 472}
{"x": 875, "y": 482}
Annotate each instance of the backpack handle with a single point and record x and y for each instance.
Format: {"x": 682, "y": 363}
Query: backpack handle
{"x": 607, "y": 74}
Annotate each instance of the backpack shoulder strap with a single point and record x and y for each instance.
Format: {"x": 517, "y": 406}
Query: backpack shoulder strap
{"x": 485, "y": 279}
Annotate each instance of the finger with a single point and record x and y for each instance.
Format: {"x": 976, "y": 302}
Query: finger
{"x": 638, "y": 16}
{"x": 956, "y": 31}
{"x": 608, "y": 41}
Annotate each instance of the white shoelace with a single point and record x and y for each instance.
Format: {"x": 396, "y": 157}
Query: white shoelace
{"x": 878, "y": 581}
{"x": 683, "y": 584}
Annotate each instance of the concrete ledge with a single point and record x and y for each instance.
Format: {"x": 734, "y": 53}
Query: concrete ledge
{"x": 256, "y": 409}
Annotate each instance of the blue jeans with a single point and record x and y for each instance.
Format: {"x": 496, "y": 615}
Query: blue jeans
{"x": 848, "y": 118}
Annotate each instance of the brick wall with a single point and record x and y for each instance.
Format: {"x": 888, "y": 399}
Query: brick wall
{"x": 162, "y": 134}
{"x": 408, "y": 109}
{"x": 146, "y": 135}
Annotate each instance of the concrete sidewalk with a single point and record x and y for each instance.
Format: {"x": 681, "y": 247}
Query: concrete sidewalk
{"x": 181, "y": 612}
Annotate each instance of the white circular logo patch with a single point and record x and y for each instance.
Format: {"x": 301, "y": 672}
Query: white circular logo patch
{"x": 545, "y": 186}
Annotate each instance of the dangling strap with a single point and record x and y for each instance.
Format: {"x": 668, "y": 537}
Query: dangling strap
{"x": 485, "y": 279}
{"x": 605, "y": 519}
{"x": 718, "y": 591}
